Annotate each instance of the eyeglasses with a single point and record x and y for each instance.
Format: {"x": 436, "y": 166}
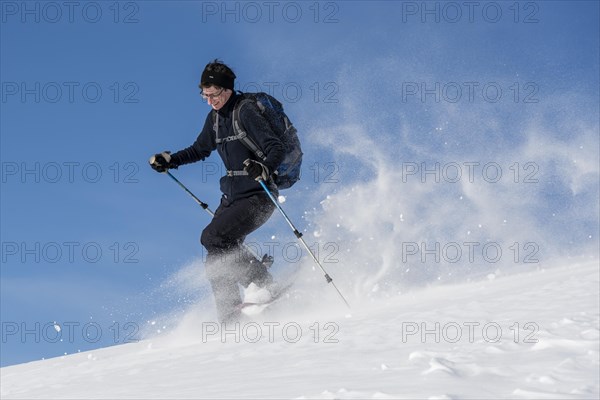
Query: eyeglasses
{"x": 211, "y": 96}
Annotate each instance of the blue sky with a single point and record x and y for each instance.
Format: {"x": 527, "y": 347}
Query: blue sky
{"x": 90, "y": 234}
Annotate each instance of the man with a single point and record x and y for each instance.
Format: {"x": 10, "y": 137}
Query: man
{"x": 244, "y": 205}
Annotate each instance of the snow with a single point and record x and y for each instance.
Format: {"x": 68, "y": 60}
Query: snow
{"x": 255, "y": 294}
{"x": 534, "y": 334}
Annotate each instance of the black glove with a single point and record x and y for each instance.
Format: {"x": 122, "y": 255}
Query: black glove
{"x": 162, "y": 162}
{"x": 256, "y": 170}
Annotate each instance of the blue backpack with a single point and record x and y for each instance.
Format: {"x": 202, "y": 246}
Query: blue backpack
{"x": 288, "y": 172}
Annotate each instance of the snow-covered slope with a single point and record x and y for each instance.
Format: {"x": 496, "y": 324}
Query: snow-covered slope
{"x": 530, "y": 335}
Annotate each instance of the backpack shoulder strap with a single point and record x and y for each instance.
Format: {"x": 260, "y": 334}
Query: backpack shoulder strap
{"x": 240, "y": 132}
{"x": 215, "y": 120}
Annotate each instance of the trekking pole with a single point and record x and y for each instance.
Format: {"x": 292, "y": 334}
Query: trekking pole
{"x": 299, "y": 236}
{"x": 200, "y": 202}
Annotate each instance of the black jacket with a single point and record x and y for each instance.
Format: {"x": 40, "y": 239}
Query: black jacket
{"x": 234, "y": 153}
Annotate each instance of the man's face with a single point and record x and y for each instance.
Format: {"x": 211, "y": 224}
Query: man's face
{"x": 216, "y": 97}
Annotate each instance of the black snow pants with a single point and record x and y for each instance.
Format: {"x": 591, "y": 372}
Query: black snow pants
{"x": 228, "y": 262}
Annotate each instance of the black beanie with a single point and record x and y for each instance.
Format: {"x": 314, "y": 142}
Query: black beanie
{"x": 216, "y": 79}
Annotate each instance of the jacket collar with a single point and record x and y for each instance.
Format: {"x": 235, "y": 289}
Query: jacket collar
{"x": 227, "y": 109}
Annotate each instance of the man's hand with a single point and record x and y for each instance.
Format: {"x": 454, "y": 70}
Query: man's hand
{"x": 162, "y": 162}
{"x": 256, "y": 170}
